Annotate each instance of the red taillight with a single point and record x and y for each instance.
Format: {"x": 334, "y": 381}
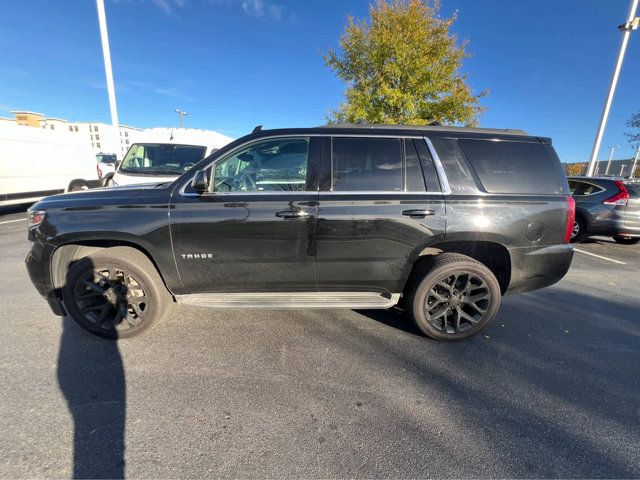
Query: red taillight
{"x": 620, "y": 198}
{"x": 99, "y": 171}
{"x": 571, "y": 218}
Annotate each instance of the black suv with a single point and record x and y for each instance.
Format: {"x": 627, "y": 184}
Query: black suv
{"x": 441, "y": 220}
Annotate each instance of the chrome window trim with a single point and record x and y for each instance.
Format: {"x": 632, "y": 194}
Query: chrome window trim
{"x": 444, "y": 181}
{"x": 375, "y": 192}
{"x": 313, "y": 192}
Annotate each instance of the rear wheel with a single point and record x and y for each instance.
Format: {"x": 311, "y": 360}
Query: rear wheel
{"x": 626, "y": 240}
{"x": 453, "y": 296}
{"x": 115, "y": 293}
{"x": 579, "y": 231}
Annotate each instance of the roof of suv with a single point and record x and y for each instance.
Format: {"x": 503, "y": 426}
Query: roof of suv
{"x": 423, "y": 128}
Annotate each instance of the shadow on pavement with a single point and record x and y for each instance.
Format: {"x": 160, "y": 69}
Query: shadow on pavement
{"x": 553, "y": 382}
{"x": 91, "y": 377}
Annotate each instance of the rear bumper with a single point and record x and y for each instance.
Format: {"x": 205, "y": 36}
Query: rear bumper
{"x": 38, "y": 263}
{"x": 538, "y": 267}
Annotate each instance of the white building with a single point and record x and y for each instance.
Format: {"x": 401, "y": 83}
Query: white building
{"x": 102, "y": 137}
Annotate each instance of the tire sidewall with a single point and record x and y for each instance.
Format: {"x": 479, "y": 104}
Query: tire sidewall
{"x": 437, "y": 274}
{"x": 582, "y": 227}
{"x": 97, "y": 261}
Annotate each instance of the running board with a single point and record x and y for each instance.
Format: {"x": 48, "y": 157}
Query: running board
{"x": 352, "y": 300}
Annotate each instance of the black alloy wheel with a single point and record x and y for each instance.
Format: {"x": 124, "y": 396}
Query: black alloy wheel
{"x": 111, "y": 299}
{"x": 452, "y": 296}
{"x": 457, "y": 302}
{"x": 115, "y": 293}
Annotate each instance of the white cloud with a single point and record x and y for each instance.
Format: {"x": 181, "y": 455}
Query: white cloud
{"x": 167, "y": 6}
{"x": 263, "y": 9}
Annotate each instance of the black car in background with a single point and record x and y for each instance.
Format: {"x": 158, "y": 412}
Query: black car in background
{"x": 606, "y": 207}
{"x": 443, "y": 221}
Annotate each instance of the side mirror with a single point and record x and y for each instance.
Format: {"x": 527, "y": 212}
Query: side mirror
{"x": 199, "y": 182}
{"x": 117, "y": 164}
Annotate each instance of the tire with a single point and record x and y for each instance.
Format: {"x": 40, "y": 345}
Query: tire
{"x": 128, "y": 299}
{"x": 458, "y": 276}
{"x": 621, "y": 239}
{"x": 579, "y": 232}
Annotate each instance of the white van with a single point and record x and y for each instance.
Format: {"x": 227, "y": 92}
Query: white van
{"x": 162, "y": 154}
{"x": 36, "y": 162}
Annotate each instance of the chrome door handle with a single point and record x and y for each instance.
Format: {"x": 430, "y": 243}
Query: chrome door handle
{"x": 292, "y": 214}
{"x": 418, "y": 213}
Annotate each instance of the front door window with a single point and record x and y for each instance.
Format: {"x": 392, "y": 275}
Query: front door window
{"x": 275, "y": 165}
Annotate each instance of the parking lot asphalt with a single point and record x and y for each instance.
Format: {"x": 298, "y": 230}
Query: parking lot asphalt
{"x": 551, "y": 389}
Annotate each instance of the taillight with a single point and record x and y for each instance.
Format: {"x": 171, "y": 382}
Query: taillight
{"x": 571, "y": 218}
{"x": 620, "y": 198}
{"x": 99, "y": 171}
{"x": 35, "y": 217}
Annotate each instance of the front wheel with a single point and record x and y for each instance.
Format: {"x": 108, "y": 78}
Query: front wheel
{"x": 621, "y": 239}
{"x": 453, "y": 296}
{"x": 115, "y": 293}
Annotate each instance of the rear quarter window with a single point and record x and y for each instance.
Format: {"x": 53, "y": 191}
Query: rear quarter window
{"x": 512, "y": 167}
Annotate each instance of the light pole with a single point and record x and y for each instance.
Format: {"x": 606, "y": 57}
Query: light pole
{"x": 631, "y": 24}
{"x": 613, "y": 149}
{"x": 106, "y": 53}
{"x": 180, "y": 114}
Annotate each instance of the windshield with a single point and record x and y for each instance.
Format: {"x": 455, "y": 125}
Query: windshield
{"x": 103, "y": 158}
{"x": 161, "y": 158}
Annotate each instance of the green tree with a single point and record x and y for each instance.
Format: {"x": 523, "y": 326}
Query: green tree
{"x": 402, "y": 66}
{"x": 574, "y": 168}
{"x": 634, "y": 123}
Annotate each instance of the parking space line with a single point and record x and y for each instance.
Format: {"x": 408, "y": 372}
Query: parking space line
{"x": 600, "y": 256}
{"x": 11, "y": 221}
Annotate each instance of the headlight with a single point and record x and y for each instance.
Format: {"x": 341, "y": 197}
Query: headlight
{"x": 35, "y": 217}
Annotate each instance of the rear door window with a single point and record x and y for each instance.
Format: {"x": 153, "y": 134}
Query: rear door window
{"x": 512, "y": 167}
{"x": 367, "y": 164}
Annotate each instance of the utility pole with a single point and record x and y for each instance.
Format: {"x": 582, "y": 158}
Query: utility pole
{"x": 106, "y": 53}
{"x": 613, "y": 149}
{"x": 631, "y": 24}
{"x": 180, "y": 114}
{"x": 635, "y": 162}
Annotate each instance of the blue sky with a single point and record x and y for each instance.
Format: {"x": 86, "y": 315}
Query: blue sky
{"x": 233, "y": 64}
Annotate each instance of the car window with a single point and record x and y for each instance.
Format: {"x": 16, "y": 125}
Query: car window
{"x": 161, "y": 159}
{"x": 426, "y": 162}
{"x": 455, "y": 168}
{"x": 581, "y": 189}
{"x": 512, "y": 167}
{"x": 367, "y": 164}
{"x": 106, "y": 158}
{"x": 414, "y": 180}
{"x": 270, "y": 165}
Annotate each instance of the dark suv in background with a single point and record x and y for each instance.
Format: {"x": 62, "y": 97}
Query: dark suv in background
{"x": 606, "y": 207}
{"x": 443, "y": 221}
